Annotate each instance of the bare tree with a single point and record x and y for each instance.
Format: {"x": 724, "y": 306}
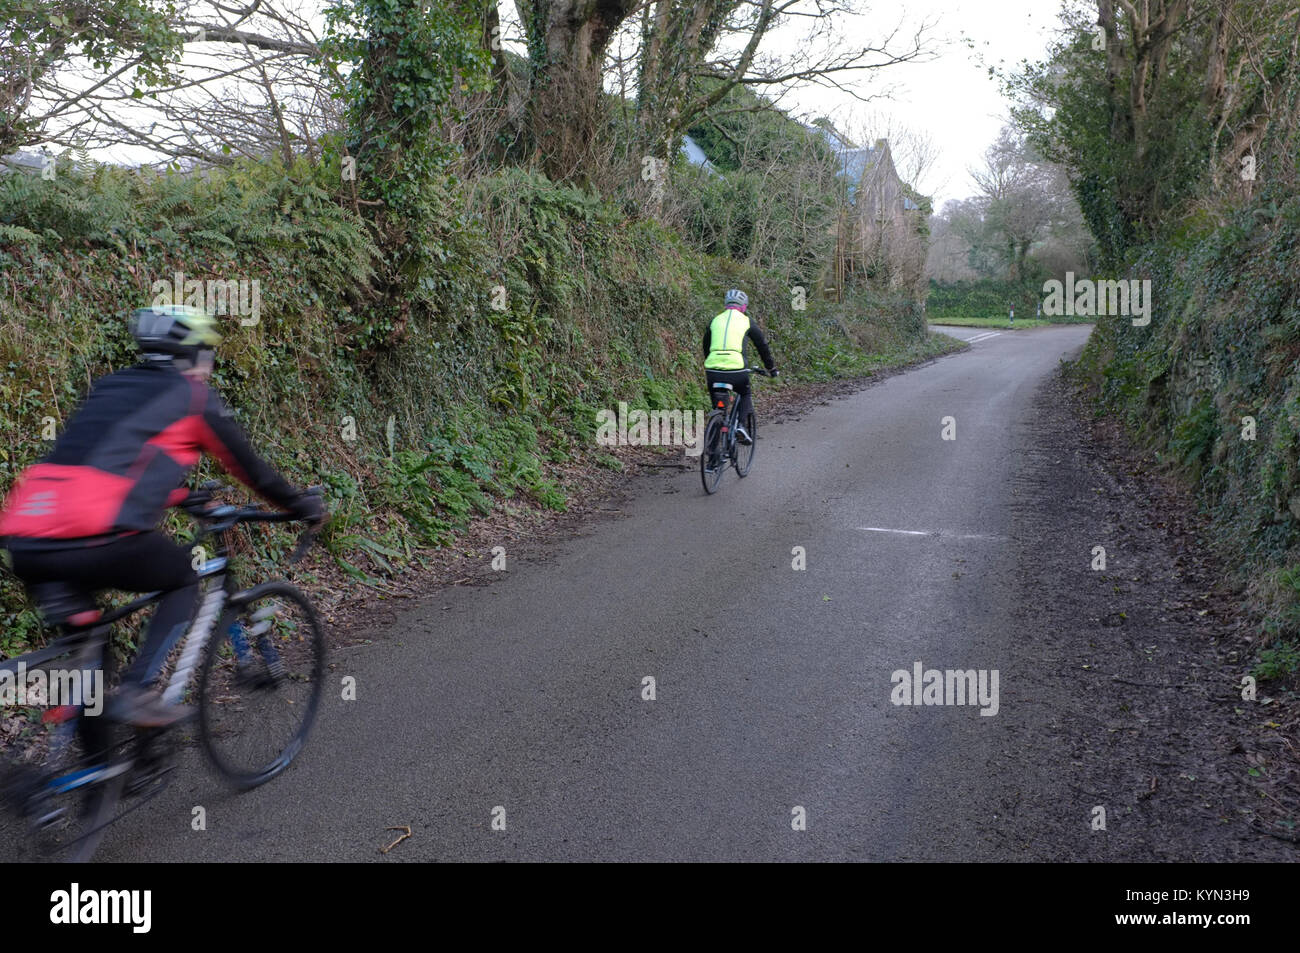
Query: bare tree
{"x": 912, "y": 149}
{"x": 1025, "y": 210}
{"x": 250, "y": 83}
{"x": 694, "y": 53}
{"x": 951, "y": 236}
{"x": 1024, "y": 196}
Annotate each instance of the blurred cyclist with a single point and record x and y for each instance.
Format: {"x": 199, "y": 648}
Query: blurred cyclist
{"x": 87, "y": 515}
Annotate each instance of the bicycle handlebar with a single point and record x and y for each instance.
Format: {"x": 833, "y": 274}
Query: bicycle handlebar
{"x": 224, "y": 516}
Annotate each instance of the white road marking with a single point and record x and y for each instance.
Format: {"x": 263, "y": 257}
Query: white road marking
{"x": 914, "y": 532}
{"x": 983, "y": 337}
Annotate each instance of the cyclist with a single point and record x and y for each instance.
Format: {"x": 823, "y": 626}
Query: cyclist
{"x": 724, "y": 353}
{"x": 87, "y": 515}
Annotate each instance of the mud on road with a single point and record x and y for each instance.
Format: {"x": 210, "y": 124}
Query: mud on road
{"x": 1137, "y": 669}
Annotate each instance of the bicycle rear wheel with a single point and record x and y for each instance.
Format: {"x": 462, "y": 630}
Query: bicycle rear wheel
{"x": 67, "y": 805}
{"x": 744, "y": 453}
{"x": 712, "y": 459}
{"x": 99, "y": 811}
{"x": 261, "y": 684}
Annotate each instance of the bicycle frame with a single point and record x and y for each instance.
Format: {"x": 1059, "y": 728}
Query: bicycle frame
{"x": 720, "y": 449}
{"x": 732, "y": 409}
{"x": 217, "y": 593}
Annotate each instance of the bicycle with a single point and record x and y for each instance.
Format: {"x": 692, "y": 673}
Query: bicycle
{"x": 269, "y": 648}
{"x": 721, "y": 449}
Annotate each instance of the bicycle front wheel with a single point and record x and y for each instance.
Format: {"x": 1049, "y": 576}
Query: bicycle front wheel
{"x": 712, "y": 459}
{"x": 261, "y": 684}
{"x": 745, "y": 452}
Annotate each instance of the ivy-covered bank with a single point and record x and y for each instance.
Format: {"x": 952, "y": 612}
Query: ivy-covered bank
{"x": 478, "y": 383}
{"x": 1213, "y": 383}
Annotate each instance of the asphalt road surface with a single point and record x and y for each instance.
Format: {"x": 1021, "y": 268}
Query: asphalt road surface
{"x": 523, "y": 700}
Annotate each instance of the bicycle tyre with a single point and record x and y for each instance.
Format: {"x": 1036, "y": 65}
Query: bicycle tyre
{"x": 100, "y": 808}
{"x": 745, "y": 452}
{"x": 228, "y": 690}
{"x": 69, "y": 823}
{"x": 712, "y": 455}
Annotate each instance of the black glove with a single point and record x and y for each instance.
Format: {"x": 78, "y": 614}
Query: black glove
{"x": 309, "y": 508}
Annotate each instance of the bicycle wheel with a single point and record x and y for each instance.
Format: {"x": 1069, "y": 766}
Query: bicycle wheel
{"x": 261, "y": 683}
{"x": 744, "y": 453}
{"x": 712, "y": 459}
{"x": 67, "y": 805}
{"x": 67, "y": 801}
{"x": 99, "y": 811}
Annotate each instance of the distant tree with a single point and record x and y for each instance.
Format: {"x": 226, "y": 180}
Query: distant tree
{"x": 1025, "y": 220}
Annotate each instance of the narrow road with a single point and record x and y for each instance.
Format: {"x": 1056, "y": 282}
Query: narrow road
{"x": 772, "y": 685}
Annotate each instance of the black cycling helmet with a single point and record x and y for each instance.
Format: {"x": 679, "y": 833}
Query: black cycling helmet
{"x": 171, "y": 331}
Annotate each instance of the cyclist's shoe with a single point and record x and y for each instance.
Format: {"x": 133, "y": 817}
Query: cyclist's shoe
{"x": 742, "y": 436}
{"x": 134, "y": 705}
{"x": 253, "y": 675}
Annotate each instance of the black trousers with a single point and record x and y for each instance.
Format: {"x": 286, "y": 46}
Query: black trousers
{"x": 739, "y": 381}
{"x": 141, "y": 562}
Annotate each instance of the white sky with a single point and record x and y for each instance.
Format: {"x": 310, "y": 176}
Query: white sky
{"x": 951, "y": 98}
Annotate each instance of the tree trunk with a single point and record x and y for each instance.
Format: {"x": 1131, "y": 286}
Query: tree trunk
{"x": 567, "y": 42}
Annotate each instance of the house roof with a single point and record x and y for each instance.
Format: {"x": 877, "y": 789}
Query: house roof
{"x": 855, "y": 160}
{"x": 695, "y": 155}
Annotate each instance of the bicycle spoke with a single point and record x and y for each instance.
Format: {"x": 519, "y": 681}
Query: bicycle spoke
{"x": 260, "y": 686}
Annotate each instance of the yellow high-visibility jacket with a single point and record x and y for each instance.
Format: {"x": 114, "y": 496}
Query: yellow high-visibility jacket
{"x": 724, "y": 342}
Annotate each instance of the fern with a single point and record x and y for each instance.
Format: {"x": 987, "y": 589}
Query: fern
{"x": 212, "y": 236}
{"x": 16, "y": 234}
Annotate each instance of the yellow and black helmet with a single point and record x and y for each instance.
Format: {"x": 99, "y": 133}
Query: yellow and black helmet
{"x": 175, "y": 330}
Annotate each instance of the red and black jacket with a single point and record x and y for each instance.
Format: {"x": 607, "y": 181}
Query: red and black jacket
{"x": 124, "y": 455}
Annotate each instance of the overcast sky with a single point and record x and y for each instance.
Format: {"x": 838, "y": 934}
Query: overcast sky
{"x": 951, "y": 98}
